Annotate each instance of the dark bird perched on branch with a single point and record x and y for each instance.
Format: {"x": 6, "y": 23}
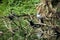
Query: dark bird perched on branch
{"x": 33, "y": 24}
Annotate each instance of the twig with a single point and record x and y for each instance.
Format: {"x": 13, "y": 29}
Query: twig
{"x": 9, "y": 28}
{"x": 45, "y": 24}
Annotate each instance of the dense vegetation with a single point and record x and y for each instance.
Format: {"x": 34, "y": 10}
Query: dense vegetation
{"x": 19, "y": 7}
{"x": 22, "y": 30}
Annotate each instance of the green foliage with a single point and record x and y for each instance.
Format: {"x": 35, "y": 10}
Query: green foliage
{"x": 19, "y": 6}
